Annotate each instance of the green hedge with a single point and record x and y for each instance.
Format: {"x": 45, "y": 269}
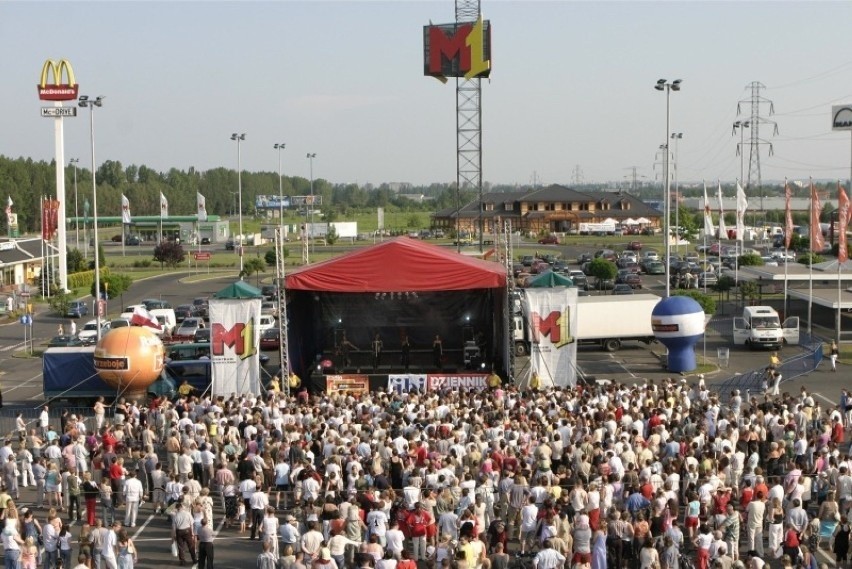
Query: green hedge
{"x": 84, "y": 279}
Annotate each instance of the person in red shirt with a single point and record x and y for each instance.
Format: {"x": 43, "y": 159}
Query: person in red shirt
{"x": 746, "y": 495}
{"x": 836, "y": 431}
{"x": 418, "y": 520}
{"x": 116, "y": 471}
{"x": 108, "y": 440}
{"x": 420, "y": 454}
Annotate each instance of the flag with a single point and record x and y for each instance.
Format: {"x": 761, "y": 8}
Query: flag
{"x": 9, "y": 205}
{"x": 141, "y": 317}
{"x": 202, "y": 207}
{"x": 742, "y": 205}
{"x": 125, "y": 209}
{"x": 843, "y": 221}
{"x": 788, "y": 215}
{"x": 817, "y": 240}
{"x": 164, "y": 206}
{"x": 723, "y": 231}
{"x": 708, "y": 215}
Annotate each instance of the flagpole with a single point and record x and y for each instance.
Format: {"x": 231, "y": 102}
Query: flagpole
{"x": 811, "y": 260}
{"x": 739, "y": 236}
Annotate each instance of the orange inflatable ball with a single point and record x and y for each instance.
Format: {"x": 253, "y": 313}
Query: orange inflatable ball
{"x": 130, "y": 359}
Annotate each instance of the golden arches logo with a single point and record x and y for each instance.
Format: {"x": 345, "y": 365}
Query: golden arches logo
{"x": 58, "y": 90}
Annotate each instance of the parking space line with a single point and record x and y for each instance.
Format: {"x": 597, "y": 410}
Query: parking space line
{"x": 218, "y": 529}
{"x": 143, "y": 526}
{"x": 24, "y": 384}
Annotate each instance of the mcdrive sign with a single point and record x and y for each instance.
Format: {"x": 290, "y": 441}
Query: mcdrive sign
{"x": 457, "y": 50}
{"x": 57, "y": 81}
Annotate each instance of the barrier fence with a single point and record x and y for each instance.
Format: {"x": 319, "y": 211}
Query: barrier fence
{"x": 791, "y": 368}
{"x": 31, "y": 415}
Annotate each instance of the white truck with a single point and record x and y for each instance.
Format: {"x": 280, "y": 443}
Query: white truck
{"x": 605, "y": 322}
{"x": 761, "y": 327}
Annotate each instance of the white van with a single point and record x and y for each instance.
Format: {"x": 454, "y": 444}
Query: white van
{"x": 166, "y": 318}
{"x": 761, "y": 327}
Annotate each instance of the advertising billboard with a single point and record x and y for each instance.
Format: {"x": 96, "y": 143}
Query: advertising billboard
{"x": 234, "y": 341}
{"x": 58, "y": 90}
{"x": 462, "y": 49}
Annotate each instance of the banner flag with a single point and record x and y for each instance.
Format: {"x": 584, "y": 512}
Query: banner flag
{"x": 234, "y": 340}
{"x": 723, "y": 231}
{"x": 551, "y": 316}
{"x": 164, "y": 205}
{"x": 125, "y": 209}
{"x": 202, "y": 207}
{"x": 742, "y": 206}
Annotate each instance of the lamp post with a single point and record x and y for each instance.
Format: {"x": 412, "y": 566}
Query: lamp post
{"x": 74, "y": 162}
{"x": 86, "y": 102}
{"x": 310, "y": 157}
{"x": 239, "y": 138}
{"x": 279, "y": 146}
{"x": 676, "y": 136}
{"x": 668, "y": 87}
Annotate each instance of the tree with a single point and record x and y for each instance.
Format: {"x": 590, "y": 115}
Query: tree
{"x": 252, "y": 266}
{"x": 750, "y": 290}
{"x": 76, "y": 263}
{"x": 809, "y": 258}
{"x": 602, "y": 269}
{"x": 113, "y": 285}
{"x": 100, "y": 253}
{"x": 60, "y": 301}
{"x": 750, "y": 260}
{"x": 169, "y": 253}
{"x": 707, "y": 302}
{"x": 331, "y": 236}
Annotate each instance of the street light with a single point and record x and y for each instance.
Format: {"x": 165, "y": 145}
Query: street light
{"x": 280, "y": 146}
{"x": 239, "y": 138}
{"x": 76, "y": 161}
{"x": 90, "y": 104}
{"x": 677, "y": 136}
{"x": 310, "y": 157}
{"x": 664, "y": 85}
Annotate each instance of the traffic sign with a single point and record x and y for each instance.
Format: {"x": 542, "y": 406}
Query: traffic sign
{"x": 54, "y": 112}
{"x": 202, "y": 256}
{"x": 24, "y": 294}
{"x": 101, "y": 308}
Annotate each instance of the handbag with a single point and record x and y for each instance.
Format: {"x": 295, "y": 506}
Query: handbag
{"x": 174, "y": 548}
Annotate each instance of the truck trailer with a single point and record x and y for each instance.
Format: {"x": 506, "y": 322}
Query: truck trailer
{"x": 605, "y": 322}
{"x": 69, "y": 373}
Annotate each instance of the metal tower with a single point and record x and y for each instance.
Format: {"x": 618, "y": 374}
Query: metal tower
{"x": 755, "y": 102}
{"x": 509, "y": 318}
{"x": 284, "y": 348}
{"x": 469, "y": 122}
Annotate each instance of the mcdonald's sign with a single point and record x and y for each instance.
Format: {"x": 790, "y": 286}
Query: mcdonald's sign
{"x": 457, "y": 50}
{"x": 57, "y": 90}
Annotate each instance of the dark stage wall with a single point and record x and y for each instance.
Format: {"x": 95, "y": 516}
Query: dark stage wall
{"x": 317, "y": 320}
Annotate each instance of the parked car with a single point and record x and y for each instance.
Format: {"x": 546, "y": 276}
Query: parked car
{"x": 154, "y": 303}
{"x": 116, "y": 238}
{"x": 229, "y": 245}
{"x": 266, "y": 322}
{"x": 77, "y": 309}
{"x": 205, "y": 241}
{"x": 119, "y": 323}
{"x": 580, "y": 280}
{"x": 584, "y": 258}
{"x": 64, "y": 342}
{"x": 134, "y": 240}
{"x": 622, "y": 289}
{"x": 707, "y": 279}
{"x": 549, "y": 240}
{"x": 655, "y": 268}
{"x": 201, "y": 307}
{"x": 270, "y": 292}
{"x": 189, "y": 327}
{"x": 269, "y": 307}
{"x": 270, "y": 339}
{"x": 89, "y": 333}
{"x": 527, "y": 260}
{"x": 202, "y": 335}
{"x": 183, "y": 312}
{"x": 635, "y": 245}
{"x": 604, "y": 284}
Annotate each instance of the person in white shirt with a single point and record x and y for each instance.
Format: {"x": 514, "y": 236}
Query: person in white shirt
{"x": 270, "y": 530}
{"x": 529, "y": 521}
{"x": 133, "y": 493}
{"x": 395, "y": 540}
{"x": 377, "y": 523}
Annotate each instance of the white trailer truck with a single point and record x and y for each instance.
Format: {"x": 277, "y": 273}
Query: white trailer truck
{"x": 603, "y": 321}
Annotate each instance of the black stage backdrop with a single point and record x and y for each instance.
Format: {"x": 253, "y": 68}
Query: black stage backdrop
{"x": 319, "y": 319}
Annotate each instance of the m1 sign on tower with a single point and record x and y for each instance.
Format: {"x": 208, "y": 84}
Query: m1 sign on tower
{"x": 457, "y": 50}
{"x": 57, "y": 83}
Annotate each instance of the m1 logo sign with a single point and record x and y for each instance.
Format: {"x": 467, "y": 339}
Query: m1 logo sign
{"x": 555, "y": 326}
{"x": 240, "y": 338}
{"x": 57, "y": 90}
{"x": 457, "y": 50}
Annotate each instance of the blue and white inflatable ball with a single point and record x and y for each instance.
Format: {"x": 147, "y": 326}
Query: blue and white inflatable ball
{"x": 678, "y": 323}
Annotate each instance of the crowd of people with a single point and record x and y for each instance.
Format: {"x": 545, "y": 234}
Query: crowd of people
{"x": 649, "y": 476}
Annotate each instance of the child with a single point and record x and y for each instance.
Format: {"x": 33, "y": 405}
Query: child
{"x": 29, "y": 554}
{"x": 241, "y": 516}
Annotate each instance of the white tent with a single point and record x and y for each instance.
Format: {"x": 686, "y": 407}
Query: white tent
{"x": 643, "y": 221}
{"x": 630, "y": 221}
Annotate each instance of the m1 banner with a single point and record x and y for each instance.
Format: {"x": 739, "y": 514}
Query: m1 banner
{"x": 234, "y": 340}
{"x": 347, "y": 384}
{"x": 407, "y": 382}
{"x": 552, "y": 320}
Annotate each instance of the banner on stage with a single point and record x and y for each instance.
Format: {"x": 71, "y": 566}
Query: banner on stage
{"x": 353, "y": 384}
{"x": 438, "y": 381}
{"x": 551, "y": 316}
{"x": 407, "y": 382}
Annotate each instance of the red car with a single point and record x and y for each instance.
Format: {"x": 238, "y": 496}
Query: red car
{"x": 549, "y": 240}
{"x": 635, "y": 245}
{"x": 270, "y": 339}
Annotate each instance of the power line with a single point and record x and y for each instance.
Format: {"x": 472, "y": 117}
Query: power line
{"x": 814, "y": 77}
{"x": 755, "y": 102}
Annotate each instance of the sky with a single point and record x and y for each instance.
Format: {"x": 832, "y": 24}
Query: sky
{"x": 571, "y": 87}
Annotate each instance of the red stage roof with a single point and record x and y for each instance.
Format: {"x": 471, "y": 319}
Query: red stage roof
{"x": 398, "y": 265}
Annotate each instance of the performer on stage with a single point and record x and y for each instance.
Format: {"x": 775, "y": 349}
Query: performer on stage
{"x": 406, "y": 351}
{"x": 438, "y": 352}
{"x": 378, "y": 346}
{"x": 344, "y": 348}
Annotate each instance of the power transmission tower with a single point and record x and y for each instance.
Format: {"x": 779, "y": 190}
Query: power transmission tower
{"x": 634, "y": 176}
{"x": 577, "y": 175}
{"x": 755, "y": 102}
